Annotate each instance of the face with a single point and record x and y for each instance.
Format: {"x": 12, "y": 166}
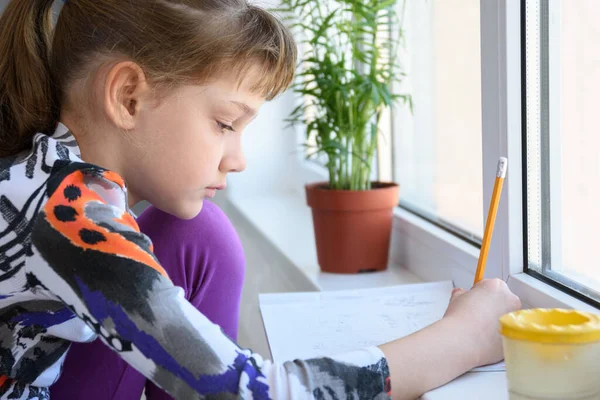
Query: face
{"x": 186, "y": 143}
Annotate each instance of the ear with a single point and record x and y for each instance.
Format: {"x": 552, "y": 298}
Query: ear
{"x": 125, "y": 90}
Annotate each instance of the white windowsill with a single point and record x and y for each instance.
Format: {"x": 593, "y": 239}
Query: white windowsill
{"x": 535, "y": 293}
{"x": 285, "y": 220}
{"x": 425, "y": 252}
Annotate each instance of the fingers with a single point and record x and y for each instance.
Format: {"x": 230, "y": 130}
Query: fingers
{"x": 516, "y": 302}
{"x": 499, "y": 286}
{"x": 457, "y": 292}
{"x": 493, "y": 284}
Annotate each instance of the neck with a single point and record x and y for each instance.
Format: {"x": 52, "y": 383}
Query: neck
{"x": 132, "y": 199}
{"x": 101, "y": 150}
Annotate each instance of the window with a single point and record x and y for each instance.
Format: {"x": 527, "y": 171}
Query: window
{"x": 562, "y": 143}
{"x": 535, "y": 104}
{"x": 437, "y": 149}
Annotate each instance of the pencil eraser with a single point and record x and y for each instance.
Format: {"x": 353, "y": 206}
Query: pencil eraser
{"x": 502, "y": 165}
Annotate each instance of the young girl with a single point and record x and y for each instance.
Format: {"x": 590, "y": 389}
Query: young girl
{"x": 156, "y": 93}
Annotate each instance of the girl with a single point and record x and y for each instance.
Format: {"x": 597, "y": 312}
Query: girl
{"x": 156, "y": 93}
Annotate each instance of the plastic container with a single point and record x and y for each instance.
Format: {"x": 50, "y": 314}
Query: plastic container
{"x": 552, "y": 354}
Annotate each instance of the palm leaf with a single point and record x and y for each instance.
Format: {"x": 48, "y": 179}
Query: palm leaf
{"x": 346, "y": 74}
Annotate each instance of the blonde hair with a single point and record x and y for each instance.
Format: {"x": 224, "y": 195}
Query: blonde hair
{"x": 174, "y": 41}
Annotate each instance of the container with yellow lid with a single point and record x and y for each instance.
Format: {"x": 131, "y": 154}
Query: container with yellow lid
{"x": 552, "y": 354}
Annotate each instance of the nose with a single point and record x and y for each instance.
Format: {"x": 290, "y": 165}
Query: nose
{"x": 234, "y": 159}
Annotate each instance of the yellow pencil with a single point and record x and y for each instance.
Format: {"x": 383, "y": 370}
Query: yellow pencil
{"x": 491, "y": 219}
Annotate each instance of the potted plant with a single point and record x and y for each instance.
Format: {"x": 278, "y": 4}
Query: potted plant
{"x": 347, "y": 71}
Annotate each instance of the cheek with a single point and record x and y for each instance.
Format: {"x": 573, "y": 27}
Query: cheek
{"x": 188, "y": 159}
{"x": 179, "y": 137}
{"x": 182, "y": 149}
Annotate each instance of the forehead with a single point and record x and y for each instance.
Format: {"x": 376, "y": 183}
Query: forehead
{"x": 238, "y": 88}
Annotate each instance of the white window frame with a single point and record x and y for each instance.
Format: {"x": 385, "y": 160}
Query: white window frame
{"x": 552, "y": 116}
{"x": 501, "y": 119}
{"x": 547, "y": 118}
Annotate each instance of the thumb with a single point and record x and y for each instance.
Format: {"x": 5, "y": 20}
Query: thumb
{"x": 457, "y": 292}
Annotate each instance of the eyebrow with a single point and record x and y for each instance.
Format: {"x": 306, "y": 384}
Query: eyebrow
{"x": 245, "y": 108}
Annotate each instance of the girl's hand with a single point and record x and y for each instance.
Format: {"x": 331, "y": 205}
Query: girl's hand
{"x": 478, "y": 312}
{"x": 465, "y": 338}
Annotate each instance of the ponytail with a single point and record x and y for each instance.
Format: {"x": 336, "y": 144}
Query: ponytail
{"x": 28, "y": 100}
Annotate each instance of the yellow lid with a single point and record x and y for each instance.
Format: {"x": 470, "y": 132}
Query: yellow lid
{"x": 551, "y": 325}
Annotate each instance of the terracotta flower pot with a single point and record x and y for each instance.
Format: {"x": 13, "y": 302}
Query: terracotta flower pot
{"x": 352, "y": 228}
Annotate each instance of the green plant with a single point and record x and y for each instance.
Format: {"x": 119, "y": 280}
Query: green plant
{"x": 346, "y": 77}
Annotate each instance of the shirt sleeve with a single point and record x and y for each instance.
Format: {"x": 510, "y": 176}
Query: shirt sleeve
{"x": 100, "y": 265}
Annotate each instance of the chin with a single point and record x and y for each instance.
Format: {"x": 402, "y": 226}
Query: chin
{"x": 187, "y": 210}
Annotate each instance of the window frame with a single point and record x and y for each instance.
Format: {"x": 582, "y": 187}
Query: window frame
{"x": 550, "y": 144}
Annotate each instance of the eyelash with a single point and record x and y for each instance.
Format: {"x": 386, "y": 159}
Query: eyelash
{"x": 224, "y": 126}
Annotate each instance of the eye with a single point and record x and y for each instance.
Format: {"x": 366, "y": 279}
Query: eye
{"x": 223, "y": 127}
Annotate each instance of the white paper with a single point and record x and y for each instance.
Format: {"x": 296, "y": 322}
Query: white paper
{"x": 315, "y": 324}
{"x": 491, "y": 368}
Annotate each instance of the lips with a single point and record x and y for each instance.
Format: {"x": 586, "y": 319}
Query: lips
{"x": 211, "y": 191}
{"x": 220, "y": 187}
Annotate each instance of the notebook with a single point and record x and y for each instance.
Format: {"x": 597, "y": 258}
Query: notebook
{"x": 315, "y": 324}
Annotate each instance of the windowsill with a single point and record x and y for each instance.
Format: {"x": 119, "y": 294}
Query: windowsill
{"x": 286, "y": 222}
{"x": 535, "y": 293}
{"x": 420, "y": 252}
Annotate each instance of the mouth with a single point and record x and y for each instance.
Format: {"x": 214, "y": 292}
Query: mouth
{"x": 211, "y": 191}
{"x": 220, "y": 187}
